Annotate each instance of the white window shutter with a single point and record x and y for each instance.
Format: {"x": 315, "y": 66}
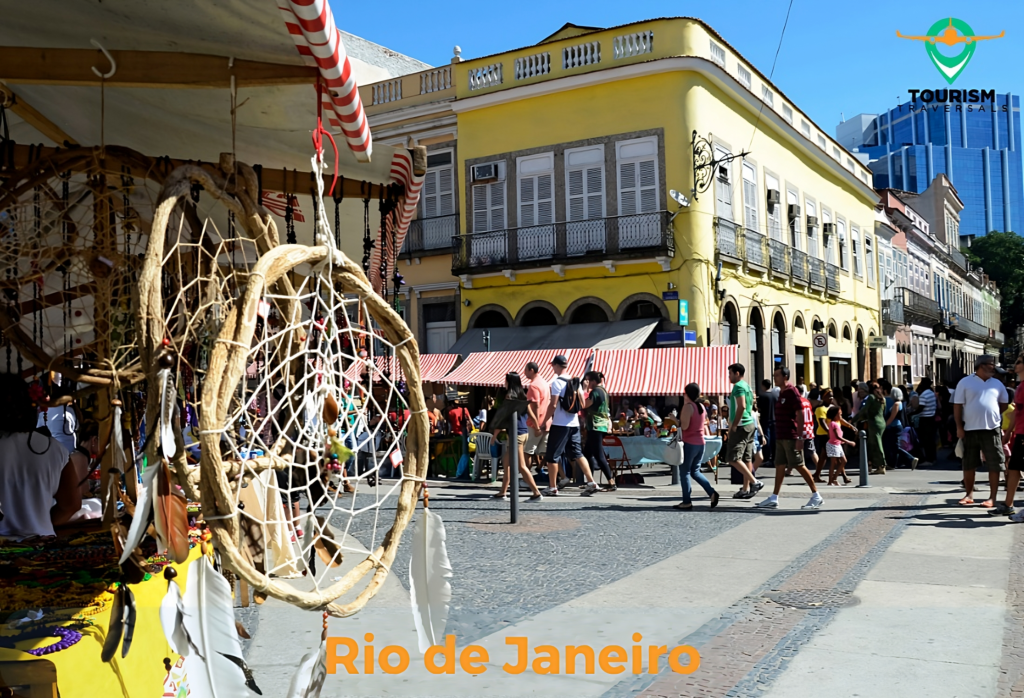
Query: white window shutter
{"x": 595, "y": 192}
{"x": 497, "y": 205}
{"x": 527, "y": 202}
{"x": 577, "y": 196}
{"x": 627, "y": 189}
{"x": 445, "y": 192}
{"x": 648, "y": 186}
{"x": 430, "y": 195}
{"x": 481, "y": 209}
{"x": 545, "y": 200}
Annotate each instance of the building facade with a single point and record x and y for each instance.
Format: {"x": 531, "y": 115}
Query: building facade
{"x": 977, "y": 147}
{"x": 564, "y": 157}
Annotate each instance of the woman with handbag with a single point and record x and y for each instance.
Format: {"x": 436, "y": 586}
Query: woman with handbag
{"x": 691, "y": 438}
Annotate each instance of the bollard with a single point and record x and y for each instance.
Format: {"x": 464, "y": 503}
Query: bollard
{"x": 513, "y": 466}
{"x": 863, "y": 458}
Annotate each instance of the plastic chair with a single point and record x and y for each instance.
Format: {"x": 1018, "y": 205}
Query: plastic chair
{"x": 712, "y": 449}
{"x": 483, "y": 454}
{"x": 618, "y": 464}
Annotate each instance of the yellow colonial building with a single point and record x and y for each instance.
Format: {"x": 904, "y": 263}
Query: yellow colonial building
{"x": 618, "y": 174}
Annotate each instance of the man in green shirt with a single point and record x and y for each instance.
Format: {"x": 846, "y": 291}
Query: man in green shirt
{"x": 740, "y": 439}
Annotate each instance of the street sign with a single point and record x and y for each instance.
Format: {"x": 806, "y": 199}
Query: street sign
{"x": 670, "y": 295}
{"x": 684, "y": 313}
{"x": 820, "y": 343}
{"x": 690, "y": 337}
{"x": 878, "y": 342}
{"x": 669, "y": 337}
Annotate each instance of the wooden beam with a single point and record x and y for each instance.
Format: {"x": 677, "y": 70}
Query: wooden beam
{"x": 277, "y": 180}
{"x": 48, "y": 66}
{"x": 34, "y": 118}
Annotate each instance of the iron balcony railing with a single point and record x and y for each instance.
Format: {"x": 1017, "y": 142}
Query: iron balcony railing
{"x": 777, "y": 252}
{"x": 892, "y": 311}
{"x": 832, "y": 278}
{"x": 958, "y": 258}
{"x": 817, "y": 272}
{"x": 999, "y": 337}
{"x": 799, "y": 263}
{"x": 728, "y": 239}
{"x": 568, "y": 242}
{"x": 429, "y": 234}
{"x": 918, "y": 305}
{"x": 755, "y": 249}
{"x": 970, "y": 327}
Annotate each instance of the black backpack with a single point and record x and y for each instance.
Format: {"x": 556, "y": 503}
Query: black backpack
{"x": 569, "y": 400}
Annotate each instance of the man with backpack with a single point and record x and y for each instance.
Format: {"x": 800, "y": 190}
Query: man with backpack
{"x": 564, "y": 436}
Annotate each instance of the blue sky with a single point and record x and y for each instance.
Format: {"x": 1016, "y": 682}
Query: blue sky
{"x": 837, "y": 57}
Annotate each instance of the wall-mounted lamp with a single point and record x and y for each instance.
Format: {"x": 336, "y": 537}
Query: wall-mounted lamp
{"x": 719, "y": 291}
{"x": 671, "y": 285}
{"x": 466, "y": 302}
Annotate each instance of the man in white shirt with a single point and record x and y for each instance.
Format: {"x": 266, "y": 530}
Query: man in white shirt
{"x": 564, "y": 435}
{"x": 978, "y": 404}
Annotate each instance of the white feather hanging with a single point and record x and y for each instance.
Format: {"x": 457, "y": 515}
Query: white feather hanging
{"x": 140, "y": 522}
{"x": 118, "y": 458}
{"x": 429, "y": 572}
{"x": 214, "y": 667}
{"x": 167, "y": 411}
{"x": 311, "y": 674}
{"x": 172, "y": 618}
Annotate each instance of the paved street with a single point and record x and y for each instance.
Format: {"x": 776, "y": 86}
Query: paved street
{"x": 888, "y": 590}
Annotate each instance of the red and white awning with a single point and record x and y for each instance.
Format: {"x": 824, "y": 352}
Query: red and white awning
{"x": 488, "y": 369}
{"x": 396, "y": 225}
{"x": 433, "y": 368}
{"x": 666, "y": 370}
{"x": 311, "y": 25}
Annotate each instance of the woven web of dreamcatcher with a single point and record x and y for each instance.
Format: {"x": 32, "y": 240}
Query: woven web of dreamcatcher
{"x": 305, "y": 351}
{"x": 53, "y": 266}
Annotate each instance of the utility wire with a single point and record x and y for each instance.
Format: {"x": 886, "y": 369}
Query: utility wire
{"x": 771, "y": 75}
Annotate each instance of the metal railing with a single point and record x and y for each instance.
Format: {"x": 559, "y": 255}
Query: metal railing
{"x": 816, "y": 268}
{"x": 919, "y": 305}
{"x": 970, "y": 327}
{"x": 832, "y": 278}
{"x": 568, "y": 242}
{"x": 777, "y": 250}
{"x": 430, "y": 234}
{"x": 892, "y": 311}
{"x": 958, "y": 258}
{"x": 999, "y": 337}
{"x": 755, "y": 248}
{"x": 727, "y": 239}
{"x": 799, "y": 263}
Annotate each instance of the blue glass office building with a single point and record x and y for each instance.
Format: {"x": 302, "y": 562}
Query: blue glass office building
{"x": 980, "y": 152}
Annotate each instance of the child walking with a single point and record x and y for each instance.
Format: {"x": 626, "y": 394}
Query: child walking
{"x": 834, "y": 447}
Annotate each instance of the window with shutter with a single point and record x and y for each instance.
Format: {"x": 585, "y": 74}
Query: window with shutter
{"x": 812, "y": 233}
{"x": 723, "y": 187}
{"x": 793, "y": 199}
{"x": 637, "y": 169}
{"x": 536, "y": 234}
{"x": 858, "y": 260}
{"x": 438, "y": 201}
{"x": 489, "y": 217}
{"x": 750, "y": 198}
{"x": 844, "y": 245}
{"x": 774, "y": 214}
{"x": 830, "y": 241}
{"x": 584, "y": 187}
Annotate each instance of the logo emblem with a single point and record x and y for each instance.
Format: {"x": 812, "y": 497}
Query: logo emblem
{"x": 950, "y": 32}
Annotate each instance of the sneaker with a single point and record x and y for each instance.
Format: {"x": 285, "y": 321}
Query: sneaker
{"x": 298, "y": 533}
{"x": 742, "y": 494}
{"x": 591, "y": 487}
{"x": 587, "y": 493}
{"x": 550, "y": 492}
{"x": 609, "y": 488}
{"x": 1001, "y": 509}
{"x": 758, "y": 486}
{"x": 814, "y": 502}
{"x": 913, "y": 463}
{"x": 564, "y": 482}
{"x": 500, "y": 496}
{"x": 750, "y": 494}
{"x": 536, "y": 498}
{"x": 1018, "y": 517}
{"x": 768, "y": 504}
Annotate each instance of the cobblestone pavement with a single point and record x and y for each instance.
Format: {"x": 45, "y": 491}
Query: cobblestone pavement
{"x": 751, "y": 643}
{"x": 1011, "y": 677}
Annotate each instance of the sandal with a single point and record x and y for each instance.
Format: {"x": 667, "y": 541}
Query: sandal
{"x": 987, "y": 504}
{"x": 683, "y": 507}
{"x": 966, "y": 502}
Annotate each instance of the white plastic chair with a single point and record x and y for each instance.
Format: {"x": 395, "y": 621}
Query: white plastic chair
{"x": 483, "y": 454}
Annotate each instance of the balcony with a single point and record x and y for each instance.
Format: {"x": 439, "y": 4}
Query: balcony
{"x": 919, "y": 307}
{"x": 971, "y": 328}
{"x": 570, "y": 242}
{"x": 999, "y": 338}
{"x": 816, "y": 268}
{"x": 728, "y": 240}
{"x": 755, "y": 249}
{"x": 799, "y": 264}
{"x": 761, "y": 253}
{"x": 832, "y": 279}
{"x": 958, "y": 258}
{"x": 430, "y": 236}
{"x": 778, "y": 257}
{"x": 892, "y": 313}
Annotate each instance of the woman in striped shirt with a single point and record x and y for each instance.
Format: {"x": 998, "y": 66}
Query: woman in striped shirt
{"x": 926, "y": 424}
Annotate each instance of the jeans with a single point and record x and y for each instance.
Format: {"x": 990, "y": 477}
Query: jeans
{"x": 895, "y": 456}
{"x": 768, "y": 449}
{"x": 690, "y": 467}
{"x": 593, "y": 451}
{"x": 926, "y": 435}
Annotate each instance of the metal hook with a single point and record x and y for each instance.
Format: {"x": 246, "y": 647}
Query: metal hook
{"x": 113, "y": 63}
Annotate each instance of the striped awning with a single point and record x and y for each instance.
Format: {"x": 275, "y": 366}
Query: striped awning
{"x": 666, "y": 370}
{"x": 488, "y": 369}
{"x": 433, "y": 368}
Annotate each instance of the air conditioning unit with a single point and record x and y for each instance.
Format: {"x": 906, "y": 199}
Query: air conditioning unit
{"x": 828, "y": 229}
{"x": 489, "y": 172}
{"x": 774, "y": 199}
{"x": 723, "y": 174}
{"x": 793, "y": 211}
{"x": 812, "y": 222}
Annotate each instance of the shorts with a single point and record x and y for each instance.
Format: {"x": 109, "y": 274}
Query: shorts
{"x": 987, "y": 442}
{"x": 740, "y": 446}
{"x": 536, "y": 445}
{"x": 809, "y": 450}
{"x": 563, "y": 440}
{"x": 787, "y": 455}
{"x": 834, "y": 450}
{"x": 1017, "y": 457}
{"x": 522, "y": 439}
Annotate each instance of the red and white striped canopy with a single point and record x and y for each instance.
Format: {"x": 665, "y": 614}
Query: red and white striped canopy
{"x": 488, "y": 369}
{"x": 666, "y": 370}
{"x": 397, "y": 224}
{"x": 311, "y": 25}
{"x": 433, "y": 368}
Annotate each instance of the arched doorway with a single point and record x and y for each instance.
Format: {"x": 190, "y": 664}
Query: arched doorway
{"x": 490, "y": 318}
{"x": 778, "y": 341}
{"x": 730, "y": 325}
{"x": 538, "y": 316}
{"x": 642, "y": 310}
{"x": 588, "y": 312}
{"x": 756, "y": 330}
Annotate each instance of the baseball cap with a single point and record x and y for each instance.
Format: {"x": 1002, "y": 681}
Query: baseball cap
{"x": 559, "y": 360}
{"x": 988, "y": 359}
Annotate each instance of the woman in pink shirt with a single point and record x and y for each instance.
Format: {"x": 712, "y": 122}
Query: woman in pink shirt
{"x": 691, "y": 434}
{"x": 834, "y": 447}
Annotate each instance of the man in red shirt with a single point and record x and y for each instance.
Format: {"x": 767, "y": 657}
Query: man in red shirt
{"x": 459, "y": 420}
{"x": 538, "y": 396}
{"x": 789, "y": 441}
{"x": 810, "y": 454}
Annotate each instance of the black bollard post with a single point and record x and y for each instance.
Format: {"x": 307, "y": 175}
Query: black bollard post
{"x": 863, "y": 458}
{"x": 513, "y": 466}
